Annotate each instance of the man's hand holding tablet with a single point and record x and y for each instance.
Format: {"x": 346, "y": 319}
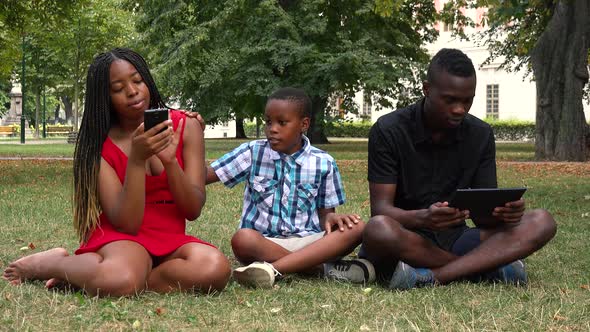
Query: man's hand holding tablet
{"x": 490, "y": 206}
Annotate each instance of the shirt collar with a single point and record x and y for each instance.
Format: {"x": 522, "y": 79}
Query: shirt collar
{"x": 298, "y": 156}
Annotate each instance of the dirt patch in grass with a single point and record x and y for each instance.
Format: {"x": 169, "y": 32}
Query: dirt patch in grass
{"x": 533, "y": 168}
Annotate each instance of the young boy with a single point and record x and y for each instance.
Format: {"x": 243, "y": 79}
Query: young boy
{"x": 288, "y": 221}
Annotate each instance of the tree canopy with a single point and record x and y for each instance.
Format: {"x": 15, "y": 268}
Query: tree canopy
{"x": 222, "y": 58}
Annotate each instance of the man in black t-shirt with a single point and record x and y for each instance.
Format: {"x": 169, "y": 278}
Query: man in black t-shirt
{"x": 418, "y": 157}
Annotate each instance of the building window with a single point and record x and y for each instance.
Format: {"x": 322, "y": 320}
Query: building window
{"x": 367, "y": 106}
{"x": 492, "y": 101}
{"x": 447, "y": 27}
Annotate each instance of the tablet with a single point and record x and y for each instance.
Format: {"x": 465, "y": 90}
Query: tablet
{"x": 482, "y": 201}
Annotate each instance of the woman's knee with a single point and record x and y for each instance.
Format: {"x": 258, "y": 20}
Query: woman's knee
{"x": 214, "y": 271}
{"x": 123, "y": 282}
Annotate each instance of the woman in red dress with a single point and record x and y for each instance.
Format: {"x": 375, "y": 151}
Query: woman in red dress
{"x": 133, "y": 191}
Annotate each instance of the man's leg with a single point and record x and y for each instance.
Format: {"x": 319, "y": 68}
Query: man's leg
{"x": 501, "y": 246}
{"x": 385, "y": 241}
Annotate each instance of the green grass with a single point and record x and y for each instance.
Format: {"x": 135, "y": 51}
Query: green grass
{"x": 341, "y": 149}
{"x": 35, "y": 207}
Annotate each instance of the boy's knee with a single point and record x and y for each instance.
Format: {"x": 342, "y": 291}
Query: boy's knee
{"x": 243, "y": 241}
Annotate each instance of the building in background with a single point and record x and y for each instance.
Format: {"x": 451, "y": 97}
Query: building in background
{"x": 499, "y": 94}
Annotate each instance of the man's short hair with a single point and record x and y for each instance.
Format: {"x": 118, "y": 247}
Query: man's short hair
{"x": 451, "y": 60}
{"x": 294, "y": 95}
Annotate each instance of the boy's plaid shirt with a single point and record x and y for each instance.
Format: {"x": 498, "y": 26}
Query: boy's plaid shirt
{"x": 282, "y": 192}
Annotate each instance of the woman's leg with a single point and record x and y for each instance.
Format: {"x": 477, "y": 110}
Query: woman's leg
{"x": 117, "y": 269}
{"x": 193, "y": 266}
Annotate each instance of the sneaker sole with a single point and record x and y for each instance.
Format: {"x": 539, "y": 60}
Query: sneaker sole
{"x": 253, "y": 277}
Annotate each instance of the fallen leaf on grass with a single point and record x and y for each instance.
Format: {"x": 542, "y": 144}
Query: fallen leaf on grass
{"x": 136, "y": 324}
{"x": 160, "y": 311}
{"x": 587, "y": 197}
{"x": 367, "y": 290}
{"x": 586, "y": 287}
{"x": 325, "y": 306}
{"x": 275, "y": 310}
{"x": 32, "y": 246}
{"x": 7, "y": 296}
{"x": 25, "y": 248}
{"x": 365, "y": 328}
{"x": 558, "y": 317}
{"x": 586, "y": 215}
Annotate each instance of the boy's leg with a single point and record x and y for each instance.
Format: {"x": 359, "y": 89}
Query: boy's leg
{"x": 193, "y": 266}
{"x": 117, "y": 269}
{"x": 250, "y": 247}
{"x": 332, "y": 245}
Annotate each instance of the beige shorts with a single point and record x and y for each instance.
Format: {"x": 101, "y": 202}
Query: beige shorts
{"x": 296, "y": 243}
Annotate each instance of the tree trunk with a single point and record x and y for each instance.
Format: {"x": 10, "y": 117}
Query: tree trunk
{"x": 560, "y": 66}
{"x": 316, "y": 133}
{"x": 240, "y": 132}
{"x": 37, "y": 108}
{"x": 67, "y": 107}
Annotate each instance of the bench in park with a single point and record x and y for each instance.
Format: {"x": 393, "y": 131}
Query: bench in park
{"x": 59, "y": 130}
{"x": 7, "y": 131}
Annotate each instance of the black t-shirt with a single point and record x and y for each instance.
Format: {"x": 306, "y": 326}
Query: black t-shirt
{"x": 401, "y": 152}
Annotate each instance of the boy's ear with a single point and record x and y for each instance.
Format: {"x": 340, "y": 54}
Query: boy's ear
{"x": 305, "y": 124}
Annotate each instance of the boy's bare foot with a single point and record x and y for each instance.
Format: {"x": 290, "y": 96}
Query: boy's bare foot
{"x": 33, "y": 267}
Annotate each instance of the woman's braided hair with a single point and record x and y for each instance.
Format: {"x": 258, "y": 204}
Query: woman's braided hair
{"x": 98, "y": 118}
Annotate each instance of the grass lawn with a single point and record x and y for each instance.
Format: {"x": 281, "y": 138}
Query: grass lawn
{"x": 341, "y": 149}
{"x": 35, "y": 207}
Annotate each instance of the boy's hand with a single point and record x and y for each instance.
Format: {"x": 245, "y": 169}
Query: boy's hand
{"x": 511, "y": 212}
{"x": 333, "y": 219}
{"x": 195, "y": 115}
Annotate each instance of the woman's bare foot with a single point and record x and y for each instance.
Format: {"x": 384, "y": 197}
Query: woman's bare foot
{"x": 34, "y": 267}
{"x": 53, "y": 282}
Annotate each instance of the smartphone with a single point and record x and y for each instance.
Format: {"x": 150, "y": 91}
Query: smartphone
{"x": 152, "y": 117}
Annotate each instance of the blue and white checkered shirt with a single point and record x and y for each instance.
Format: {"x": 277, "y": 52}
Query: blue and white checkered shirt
{"x": 282, "y": 192}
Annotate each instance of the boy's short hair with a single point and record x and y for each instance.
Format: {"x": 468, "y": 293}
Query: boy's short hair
{"x": 294, "y": 95}
{"x": 451, "y": 60}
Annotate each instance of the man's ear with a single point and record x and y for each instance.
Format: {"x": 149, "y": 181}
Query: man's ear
{"x": 305, "y": 124}
{"x": 425, "y": 88}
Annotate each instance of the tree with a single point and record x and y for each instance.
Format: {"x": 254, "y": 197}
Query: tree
{"x": 551, "y": 38}
{"x": 93, "y": 27}
{"x": 222, "y": 58}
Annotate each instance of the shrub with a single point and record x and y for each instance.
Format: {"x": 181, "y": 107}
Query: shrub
{"x": 504, "y": 130}
{"x": 513, "y": 130}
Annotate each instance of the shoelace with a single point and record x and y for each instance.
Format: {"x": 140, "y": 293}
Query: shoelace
{"x": 277, "y": 273}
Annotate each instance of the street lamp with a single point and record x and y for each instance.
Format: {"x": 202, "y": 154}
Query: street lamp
{"x": 22, "y": 115}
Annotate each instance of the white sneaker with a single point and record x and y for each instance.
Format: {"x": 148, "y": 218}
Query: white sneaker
{"x": 257, "y": 274}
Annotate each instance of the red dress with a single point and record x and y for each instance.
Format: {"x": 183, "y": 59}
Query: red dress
{"x": 163, "y": 227}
